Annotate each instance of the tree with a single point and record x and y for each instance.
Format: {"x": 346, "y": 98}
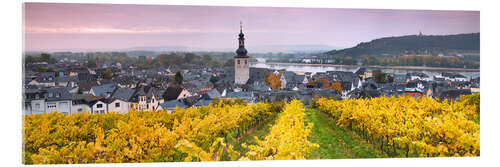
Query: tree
{"x": 273, "y": 81}
{"x": 229, "y": 63}
{"x": 337, "y": 86}
{"x": 331, "y": 85}
{"x": 213, "y": 79}
{"x": 206, "y": 58}
{"x": 91, "y": 63}
{"x": 192, "y": 58}
{"x": 107, "y": 74}
{"x": 177, "y": 79}
{"x": 169, "y": 60}
{"x": 47, "y": 58}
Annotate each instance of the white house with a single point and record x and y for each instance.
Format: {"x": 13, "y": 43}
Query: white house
{"x": 120, "y": 100}
{"x": 118, "y": 106}
{"x": 58, "y": 100}
{"x": 99, "y": 107}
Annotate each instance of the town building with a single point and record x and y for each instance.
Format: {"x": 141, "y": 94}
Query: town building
{"x": 241, "y": 64}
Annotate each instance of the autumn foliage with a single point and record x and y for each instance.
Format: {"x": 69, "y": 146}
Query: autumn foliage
{"x": 331, "y": 85}
{"x": 192, "y": 134}
{"x": 418, "y": 127}
{"x": 273, "y": 80}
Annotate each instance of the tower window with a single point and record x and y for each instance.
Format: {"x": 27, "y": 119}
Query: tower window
{"x": 238, "y": 61}
{"x": 245, "y": 61}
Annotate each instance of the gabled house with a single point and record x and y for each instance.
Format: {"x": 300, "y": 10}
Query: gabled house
{"x": 85, "y": 86}
{"x": 103, "y": 90}
{"x": 175, "y": 93}
{"x": 169, "y": 106}
{"x": 66, "y": 81}
{"x": 34, "y": 100}
{"x": 454, "y": 77}
{"x": 46, "y": 79}
{"x": 58, "y": 100}
{"x": 119, "y": 101}
{"x": 82, "y": 103}
{"x": 99, "y": 106}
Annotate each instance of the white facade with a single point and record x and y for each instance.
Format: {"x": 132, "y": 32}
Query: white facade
{"x": 80, "y": 108}
{"x": 118, "y": 106}
{"x": 58, "y": 106}
{"x": 99, "y": 108}
{"x": 37, "y": 106}
{"x": 241, "y": 70}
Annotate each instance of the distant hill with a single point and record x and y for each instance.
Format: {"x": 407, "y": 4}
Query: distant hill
{"x": 412, "y": 44}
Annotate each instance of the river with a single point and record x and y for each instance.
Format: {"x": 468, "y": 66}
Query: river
{"x": 314, "y": 68}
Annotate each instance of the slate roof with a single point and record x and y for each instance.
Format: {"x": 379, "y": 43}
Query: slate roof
{"x": 66, "y": 79}
{"x": 172, "y": 93}
{"x": 453, "y": 75}
{"x": 84, "y": 98}
{"x": 124, "y": 94}
{"x": 203, "y": 102}
{"x": 298, "y": 78}
{"x": 86, "y": 85}
{"x": 57, "y": 94}
{"x": 360, "y": 71}
{"x": 212, "y": 94}
{"x": 239, "y": 94}
{"x": 399, "y": 78}
{"x": 258, "y": 74}
{"x": 419, "y": 74}
{"x": 104, "y": 90}
{"x": 453, "y": 94}
{"x": 169, "y": 105}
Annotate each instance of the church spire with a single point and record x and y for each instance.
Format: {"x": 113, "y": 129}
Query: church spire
{"x": 241, "y": 51}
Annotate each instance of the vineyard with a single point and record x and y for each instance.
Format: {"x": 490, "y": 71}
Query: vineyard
{"x": 378, "y": 127}
{"x": 411, "y": 127}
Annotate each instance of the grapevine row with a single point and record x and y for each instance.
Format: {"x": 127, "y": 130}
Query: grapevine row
{"x": 287, "y": 139}
{"x": 192, "y": 134}
{"x": 421, "y": 127}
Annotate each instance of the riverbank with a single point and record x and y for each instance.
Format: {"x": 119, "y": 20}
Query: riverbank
{"x": 380, "y": 67}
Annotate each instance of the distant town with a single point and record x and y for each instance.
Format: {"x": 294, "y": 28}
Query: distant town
{"x": 102, "y": 82}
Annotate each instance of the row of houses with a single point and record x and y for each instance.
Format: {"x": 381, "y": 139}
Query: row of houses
{"x": 100, "y": 99}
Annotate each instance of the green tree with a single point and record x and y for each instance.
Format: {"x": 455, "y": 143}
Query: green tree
{"x": 206, "y": 58}
{"x": 91, "y": 63}
{"x": 45, "y": 57}
{"x": 229, "y": 63}
{"x": 177, "y": 79}
{"x": 214, "y": 79}
{"x": 192, "y": 58}
{"x": 107, "y": 74}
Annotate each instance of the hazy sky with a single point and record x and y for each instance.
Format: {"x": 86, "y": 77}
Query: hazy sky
{"x": 75, "y": 26}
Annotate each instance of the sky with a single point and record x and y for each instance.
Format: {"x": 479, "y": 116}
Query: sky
{"x": 58, "y": 26}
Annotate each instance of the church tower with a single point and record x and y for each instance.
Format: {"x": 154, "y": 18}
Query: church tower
{"x": 241, "y": 64}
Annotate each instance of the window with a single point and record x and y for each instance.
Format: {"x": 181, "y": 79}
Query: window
{"x": 64, "y": 105}
{"x": 245, "y": 61}
{"x": 37, "y": 106}
{"x": 117, "y": 104}
{"x": 80, "y": 110}
{"x": 99, "y": 105}
{"x": 51, "y": 105}
{"x": 238, "y": 61}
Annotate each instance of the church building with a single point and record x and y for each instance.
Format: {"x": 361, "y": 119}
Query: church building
{"x": 241, "y": 64}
